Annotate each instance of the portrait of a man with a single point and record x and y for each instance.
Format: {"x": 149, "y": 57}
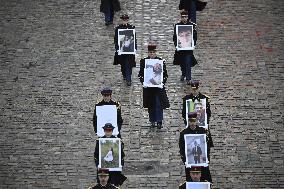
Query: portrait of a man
{"x": 153, "y": 73}
{"x": 196, "y": 150}
{"x": 184, "y": 37}
{"x": 126, "y": 41}
{"x": 198, "y": 106}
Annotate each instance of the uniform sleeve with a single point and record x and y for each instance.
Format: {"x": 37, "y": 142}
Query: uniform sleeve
{"x": 181, "y": 147}
{"x": 165, "y": 73}
{"x": 96, "y": 153}
{"x": 175, "y": 36}
{"x": 184, "y": 109}
{"x": 95, "y": 121}
{"x": 119, "y": 117}
{"x": 208, "y": 110}
{"x": 141, "y": 71}
{"x": 116, "y": 38}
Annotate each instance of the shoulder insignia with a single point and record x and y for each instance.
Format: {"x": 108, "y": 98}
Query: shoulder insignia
{"x": 208, "y": 98}
{"x": 118, "y": 105}
{"x": 182, "y": 183}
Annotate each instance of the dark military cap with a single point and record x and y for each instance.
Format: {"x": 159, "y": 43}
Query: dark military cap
{"x": 195, "y": 169}
{"x": 192, "y": 115}
{"x": 106, "y": 91}
{"x": 124, "y": 17}
{"x": 194, "y": 83}
{"x": 152, "y": 46}
{"x": 103, "y": 172}
{"x": 184, "y": 13}
{"x": 108, "y": 126}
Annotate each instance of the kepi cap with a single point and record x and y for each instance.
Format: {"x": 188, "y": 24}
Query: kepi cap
{"x": 194, "y": 84}
{"x": 192, "y": 115}
{"x": 108, "y": 126}
{"x": 195, "y": 169}
{"x": 183, "y": 13}
{"x": 106, "y": 91}
{"x": 124, "y": 17}
{"x": 103, "y": 172}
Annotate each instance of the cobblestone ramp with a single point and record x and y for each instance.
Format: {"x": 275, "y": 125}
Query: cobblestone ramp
{"x": 56, "y": 55}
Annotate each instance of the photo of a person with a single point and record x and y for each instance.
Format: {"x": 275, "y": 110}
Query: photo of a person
{"x": 126, "y": 41}
{"x": 198, "y": 106}
{"x": 199, "y": 109}
{"x": 185, "y": 37}
{"x": 153, "y": 73}
{"x": 157, "y": 70}
{"x": 196, "y": 152}
{"x": 109, "y": 156}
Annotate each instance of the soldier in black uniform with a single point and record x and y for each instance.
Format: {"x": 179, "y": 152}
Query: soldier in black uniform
{"x": 196, "y": 95}
{"x": 154, "y": 98}
{"x": 108, "y": 7}
{"x": 185, "y": 58}
{"x": 103, "y": 183}
{"x": 127, "y": 61}
{"x": 106, "y": 93}
{"x": 115, "y": 177}
{"x": 192, "y": 6}
{"x": 195, "y": 176}
{"x": 194, "y": 129}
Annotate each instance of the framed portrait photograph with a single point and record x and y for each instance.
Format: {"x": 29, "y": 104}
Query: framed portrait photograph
{"x": 197, "y": 185}
{"x": 126, "y": 41}
{"x": 153, "y": 73}
{"x": 200, "y": 108}
{"x": 106, "y": 114}
{"x": 184, "y": 37}
{"x": 110, "y": 154}
{"x": 196, "y": 150}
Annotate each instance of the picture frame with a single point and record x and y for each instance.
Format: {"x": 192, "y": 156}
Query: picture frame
{"x": 196, "y": 150}
{"x": 106, "y": 114}
{"x": 153, "y": 73}
{"x": 198, "y": 106}
{"x": 197, "y": 185}
{"x": 110, "y": 154}
{"x": 126, "y": 41}
{"x": 184, "y": 37}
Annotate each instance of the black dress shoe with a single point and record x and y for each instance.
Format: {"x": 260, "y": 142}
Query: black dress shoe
{"x": 153, "y": 125}
{"x": 128, "y": 83}
{"x": 159, "y": 125}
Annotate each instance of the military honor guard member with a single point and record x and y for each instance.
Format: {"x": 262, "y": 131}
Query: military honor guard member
{"x": 107, "y": 100}
{"x": 108, "y": 7}
{"x": 194, "y": 176}
{"x": 154, "y": 98}
{"x": 193, "y": 128}
{"x": 103, "y": 183}
{"x": 185, "y": 58}
{"x": 192, "y": 6}
{"x": 115, "y": 177}
{"x": 126, "y": 61}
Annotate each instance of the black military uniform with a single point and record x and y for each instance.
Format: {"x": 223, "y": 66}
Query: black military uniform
{"x": 154, "y": 95}
{"x": 103, "y": 172}
{"x": 198, "y": 130}
{"x": 108, "y": 91}
{"x": 186, "y": 5}
{"x": 115, "y": 177}
{"x": 181, "y": 56}
{"x": 127, "y": 61}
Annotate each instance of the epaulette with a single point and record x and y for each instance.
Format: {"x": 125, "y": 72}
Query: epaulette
{"x": 91, "y": 187}
{"x": 193, "y": 23}
{"x": 182, "y": 183}
{"x": 208, "y": 98}
{"x": 119, "y": 105}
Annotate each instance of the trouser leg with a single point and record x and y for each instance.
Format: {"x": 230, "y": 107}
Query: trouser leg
{"x": 187, "y": 63}
{"x": 192, "y": 12}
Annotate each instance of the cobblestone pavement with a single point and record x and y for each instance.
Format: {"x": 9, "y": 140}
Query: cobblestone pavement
{"x": 56, "y": 55}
